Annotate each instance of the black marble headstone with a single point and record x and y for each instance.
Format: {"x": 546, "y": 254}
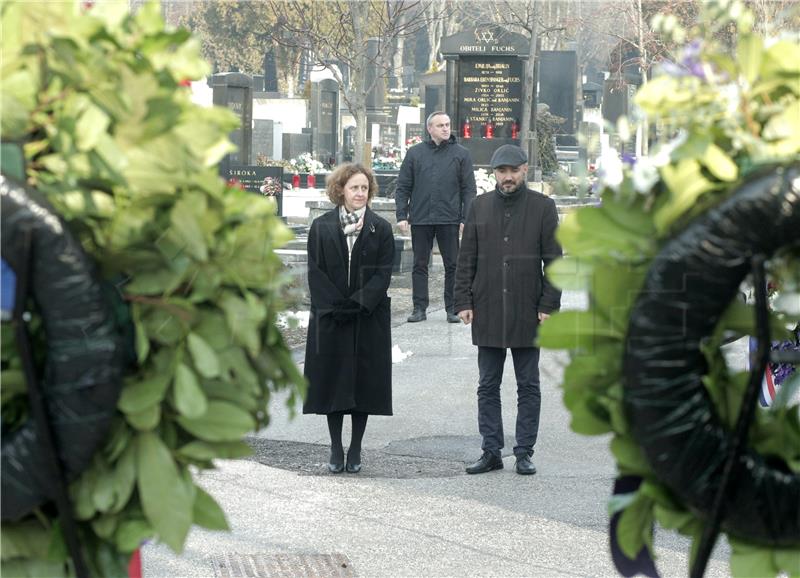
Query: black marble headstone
{"x": 485, "y": 78}
{"x": 389, "y": 134}
{"x": 414, "y": 130}
{"x": 558, "y": 78}
{"x": 270, "y": 72}
{"x": 325, "y": 120}
{"x": 252, "y": 178}
{"x": 234, "y": 91}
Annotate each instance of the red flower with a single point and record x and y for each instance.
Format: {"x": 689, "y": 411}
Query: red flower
{"x": 185, "y": 82}
{"x": 234, "y": 183}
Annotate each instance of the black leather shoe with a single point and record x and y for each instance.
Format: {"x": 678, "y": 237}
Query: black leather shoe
{"x": 525, "y": 466}
{"x": 353, "y": 463}
{"x": 336, "y": 468}
{"x": 417, "y": 315}
{"x": 453, "y": 318}
{"x": 487, "y": 462}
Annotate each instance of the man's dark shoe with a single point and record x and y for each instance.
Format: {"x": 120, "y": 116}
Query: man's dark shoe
{"x": 525, "y": 466}
{"x": 453, "y": 318}
{"x": 486, "y": 463}
{"x": 417, "y": 315}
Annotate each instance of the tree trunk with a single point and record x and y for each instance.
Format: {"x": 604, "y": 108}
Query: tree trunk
{"x": 528, "y": 119}
{"x": 397, "y": 57}
{"x": 360, "y": 142}
{"x": 642, "y": 132}
{"x": 357, "y": 102}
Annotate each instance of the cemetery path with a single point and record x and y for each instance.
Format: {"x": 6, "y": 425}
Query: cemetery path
{"x": 412, "y": 511}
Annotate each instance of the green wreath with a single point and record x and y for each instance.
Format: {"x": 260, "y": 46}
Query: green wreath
{"x": 98, "y": 97}
{"x": 726, "y": 114}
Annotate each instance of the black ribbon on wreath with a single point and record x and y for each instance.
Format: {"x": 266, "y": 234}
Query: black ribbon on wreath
{"x": 73, "y": 392}
{"x": 689, "y": 286}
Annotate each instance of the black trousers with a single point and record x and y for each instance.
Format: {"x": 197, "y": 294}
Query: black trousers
{"x": 422, "y": 243}
{"x": 491, "y": 361}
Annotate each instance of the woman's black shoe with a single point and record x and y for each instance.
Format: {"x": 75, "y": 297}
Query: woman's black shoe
{"x": 353, "y": 463}
{"x": 336, "y": 468}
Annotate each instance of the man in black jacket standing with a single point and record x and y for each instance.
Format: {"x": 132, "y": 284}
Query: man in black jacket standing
{"x": 509, "y": 238}
{"x": 435, "y": 189}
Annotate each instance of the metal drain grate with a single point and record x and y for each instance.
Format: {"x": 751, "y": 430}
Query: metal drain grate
{"x": 233, "y": 565}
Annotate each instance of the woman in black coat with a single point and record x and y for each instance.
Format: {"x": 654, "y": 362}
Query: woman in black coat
{"x": 349, "y": 348}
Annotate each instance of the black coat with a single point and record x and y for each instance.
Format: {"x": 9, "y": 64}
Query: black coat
{"x": 349, "y": 363}
{"x": 500, "y": 268}
{"x": 436, "y": 184}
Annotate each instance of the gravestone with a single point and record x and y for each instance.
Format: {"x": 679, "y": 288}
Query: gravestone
{"x": 376, "y": 96}
{"x": 432, "y": 91}
{"x": 252, "y": 179}
{"x": 348, "y": 143}
{"x": 263, "y": 135}
{"x": 270, "y": 72}
{"x": 485, "y": 74}
{"x": 295, "y": 144}
{"x": 258, "y": 83}
{"x": 389, "y": 134}
{"x": 325, "y": 120}
{"x": 558, "y": 78}
{"x": 415, "y": 130}
{"x": 234, "y": 91}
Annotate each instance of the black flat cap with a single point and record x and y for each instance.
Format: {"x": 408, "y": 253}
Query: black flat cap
{"x": 508, "y": 155}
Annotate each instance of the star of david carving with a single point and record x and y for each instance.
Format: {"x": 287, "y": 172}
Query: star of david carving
{"x": 484, "y": 35}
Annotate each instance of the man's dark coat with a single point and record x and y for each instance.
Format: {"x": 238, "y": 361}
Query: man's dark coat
{"x": 436, "y": 184}
{"x": 349, "y": 365}
{"x": 499, "y": 274}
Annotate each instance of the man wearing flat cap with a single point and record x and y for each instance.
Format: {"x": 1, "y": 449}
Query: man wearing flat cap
{"x": 501, "y": 289}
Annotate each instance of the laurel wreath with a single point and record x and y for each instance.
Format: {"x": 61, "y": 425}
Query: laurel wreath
{"x": 723, "y": 115}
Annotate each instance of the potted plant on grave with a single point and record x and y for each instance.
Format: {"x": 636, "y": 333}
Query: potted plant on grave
{"x": 731, "y": 119}
{"x": 114, "y": 142}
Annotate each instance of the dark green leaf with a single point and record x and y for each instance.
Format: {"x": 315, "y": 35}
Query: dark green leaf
{"x": 165, "y": 500}
{"x": 635, "y": 526}
{"x": 145, "y": 420}
{"x": 746, "y": 563}
{"x": 124, "y": 478}
{"x": 204, "y": 357}
{"x": 222, "y": 422}
{"x": 630, "y": 457}
{"x": 588, "y": 418}
{"x": 190, "y": 400}
{"x": 186, "y": 227}
{"x": 577, "y": 329}
{"x": 154, "y": 282}
{"x": 138, "y": 396}
{"x": 105, "y": 525}
{"x": 26, "y": 539}
{"x": 207, "y": 512}
{"x": 131, "y": 534}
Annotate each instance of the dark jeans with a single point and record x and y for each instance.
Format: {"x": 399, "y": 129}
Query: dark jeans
{"x": 529, "y": 399}
{"x": 422, "y": 243}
